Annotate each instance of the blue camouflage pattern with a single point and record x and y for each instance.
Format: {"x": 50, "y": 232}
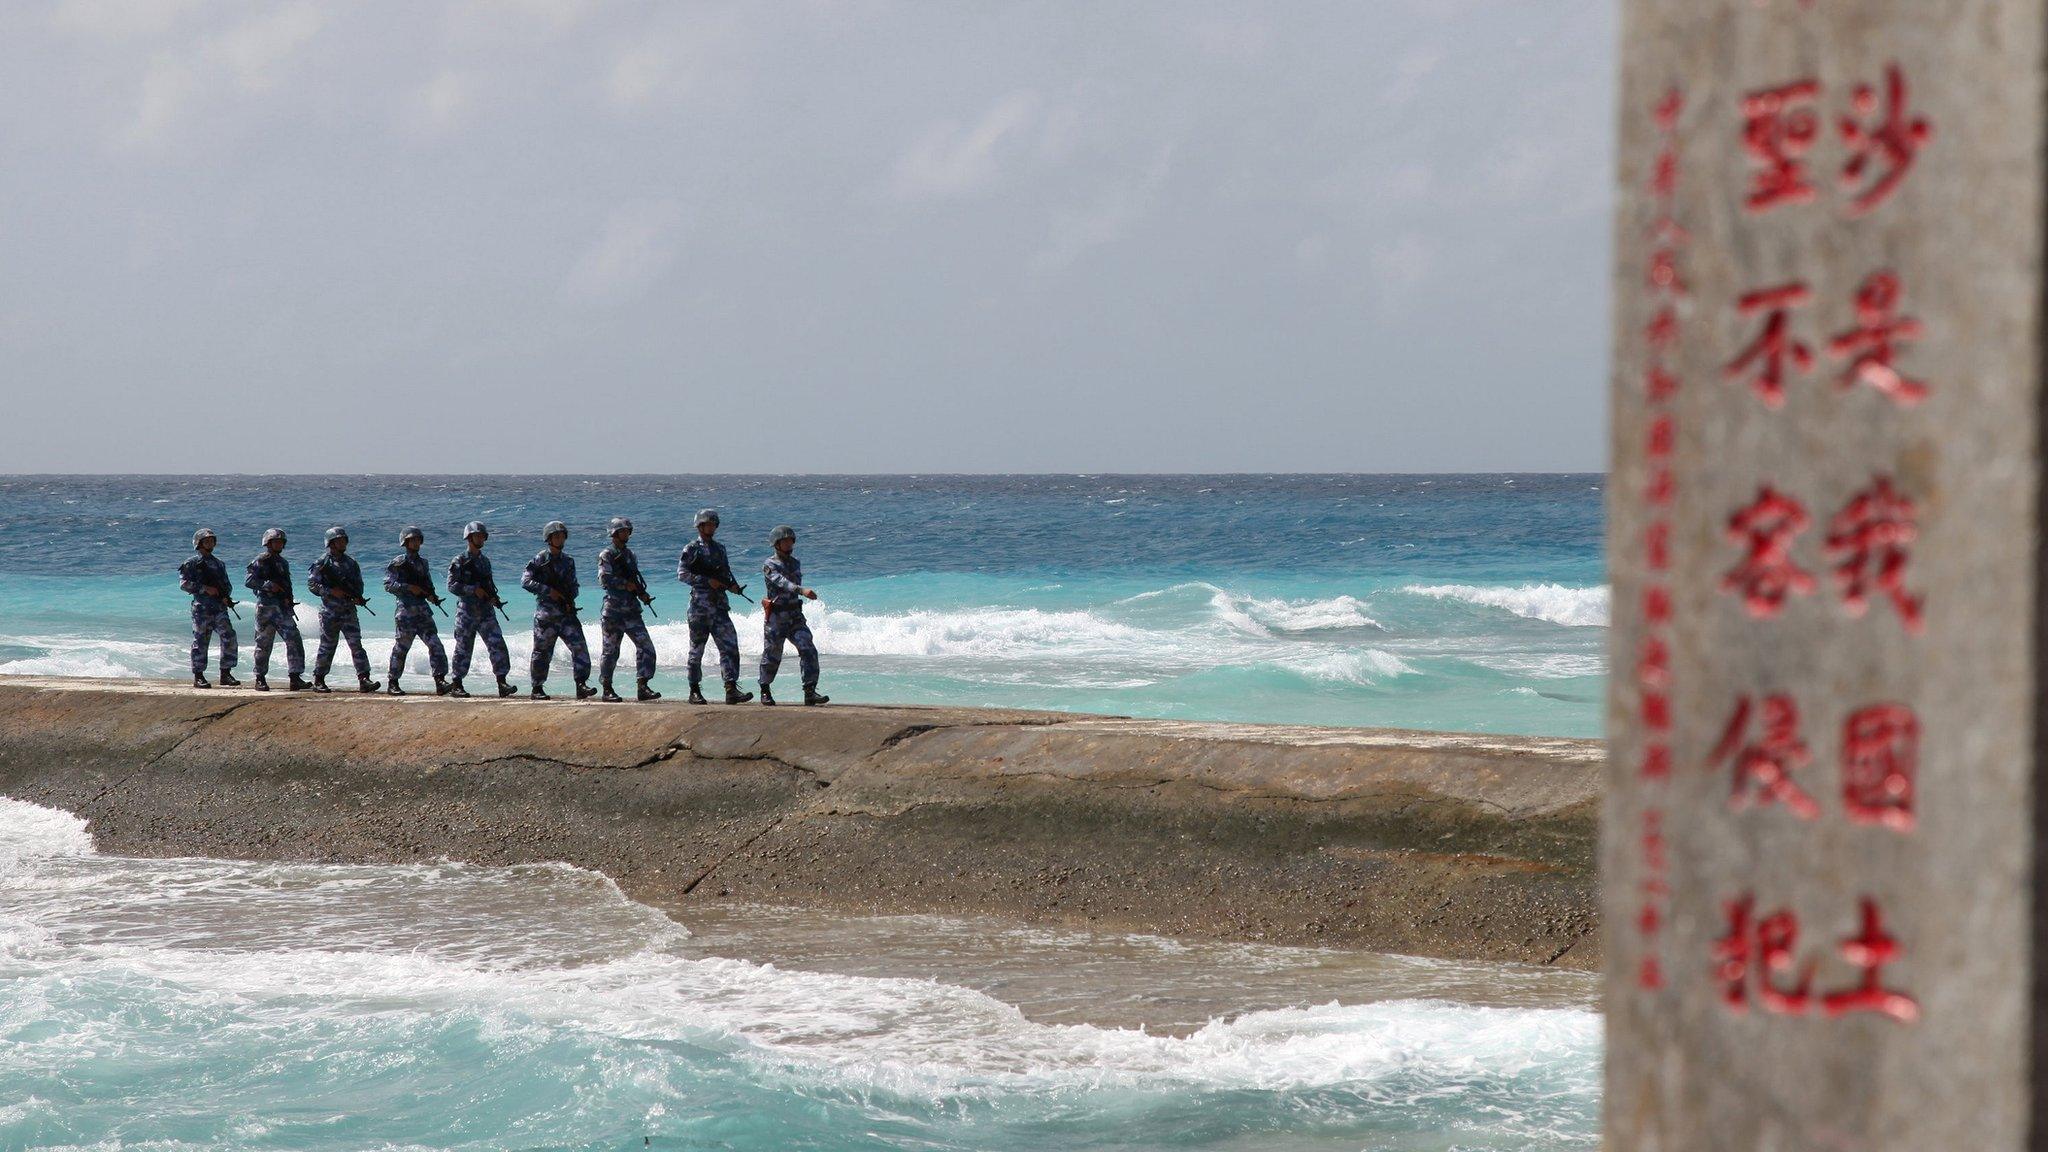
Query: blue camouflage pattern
{"x": 569, "y": 630}
{"x": 618, "y": 573}
{"x": 272, "y": 621}
{"x": 405, "y": 569}
{"x": 554, "y": 620}
{"x": 475, "y": 618}
{"x": 337, "y": 580}
{"x": 710, "y": 615}
{"x": 471, "y": 583}
{"x": 782, "y": 625}
{"x": 782, "y": 579}
{"x": 713, "y": 624}
{"x": 614, "y": 628}
{"x": 417, "y": 620}
{"x": 270, "y": 577}
{"x": 210, "y": 616}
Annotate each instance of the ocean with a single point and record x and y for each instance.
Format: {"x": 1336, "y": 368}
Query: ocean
{"x": 1457, "y": 603}
{"x": 214, "y": 1006}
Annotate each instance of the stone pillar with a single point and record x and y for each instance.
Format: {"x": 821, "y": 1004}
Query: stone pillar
{"x": 1822, "y": 849}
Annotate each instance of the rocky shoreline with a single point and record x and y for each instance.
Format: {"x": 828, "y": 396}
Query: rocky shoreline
{"x": 1456, "y": 846}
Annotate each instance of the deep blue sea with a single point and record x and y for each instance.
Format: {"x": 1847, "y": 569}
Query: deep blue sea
{"x": 1470, "y": 603}
{"x": 188, "y": 1005}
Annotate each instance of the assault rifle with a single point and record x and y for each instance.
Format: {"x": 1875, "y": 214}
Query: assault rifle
{"x": 702, "y": 567}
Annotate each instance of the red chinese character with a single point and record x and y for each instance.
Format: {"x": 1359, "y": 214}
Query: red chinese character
{"x": 1763, "y": 769}
{"x": 1880, "y": 758}
{"x": 1662, "y": 331}
{"x": 1774, "y": 345}
{"x": 1870, "y": 346}
{"x": 1771, "y": 941}
{"x": 1669, "y": 109}
{"x": 1657, "y": 546}
{"x": 1870, "y": 541}
{"x": 1871, "y": 950}
{"x": 1653, "y": 668}
{"x": 1767, "y": 575}
{"x": 1659, "y": 384}
{"x": 1664, "y": 175}
{"x": 1650, "y": 976}
{"x": 1779, "y": 129}
{"x": 1656, "y": 763}
{"x": 1653, "y": 840}
{"x": 1885, "y": 148}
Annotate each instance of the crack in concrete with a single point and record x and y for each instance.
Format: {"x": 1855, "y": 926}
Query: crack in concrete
{"x": 199, "y": 724}
{"x": 666, "y": 752}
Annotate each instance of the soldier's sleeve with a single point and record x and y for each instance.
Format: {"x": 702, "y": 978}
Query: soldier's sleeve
{"x": 455, "y": 585}
{"x": 395, "y": 576}
{"x": 608, "y": 575}
{"x": 316, "y": 579}
{"x": 772, "y": 575}
{"x": 185, "y": 580}
{"x": 572, "y": 586}
{"x": 531, "y": 581}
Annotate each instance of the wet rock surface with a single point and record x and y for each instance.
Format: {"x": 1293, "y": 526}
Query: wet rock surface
{"x": 1462, "y": 847}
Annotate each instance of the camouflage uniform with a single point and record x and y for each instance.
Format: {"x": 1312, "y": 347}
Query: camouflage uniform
{"x": 338, "y": 581}
{"x": 553, "y": 620}
{"x": 209, "y": 613}
{"x": 470, "y": 582}
{"x": 414, "y": 616}
{"x": 710, "y": 611}
{"x": 783, "y": 579}
{"x": 618, "y": 571}
{"x": 274, "y": 616}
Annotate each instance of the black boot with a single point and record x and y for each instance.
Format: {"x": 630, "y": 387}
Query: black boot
{"x": 611, "y": 697}
{"x": 733, "y": 695}
{"x": 365, "y": 685}
{"x": 584, "y": 691}
{"x": 299, "y": 684}
{"x": 538, "y": 693}
{"x": 199, "y": 681}
{"x": 261, "y": 684}
{"x": 320, "y": 684}
{"x": 456, "y": 689}
{"x": 227, "y": 679}
{"x": 697, "y": 693}
{"x": 394, "y": 689}
{"x": 813, "y": 698}
{"x": 440, "y": 686}
{"x": 767, "y": 697}
{"x": 647, "y": 693}
{"x": 506, "y": 688}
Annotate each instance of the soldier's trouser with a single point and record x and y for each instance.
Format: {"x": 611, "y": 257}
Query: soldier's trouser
{"x": 714, "y": 624}
{"x": 417, "y": 621}
{"x": 473, "y": 620}
{"x": 208, "y": 619}
{"x": 790, "y": 626}
{"x": 549, "y": 627}
{"x": 272, "y": 621}
{"x": 614, "y": 628}
{"x": 340, "y": 623}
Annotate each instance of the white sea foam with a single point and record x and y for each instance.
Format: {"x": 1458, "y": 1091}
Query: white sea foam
{"x": 1360, "y": 666}
{"x": 31, "y": 831}
{"x": 1554, "y": 603}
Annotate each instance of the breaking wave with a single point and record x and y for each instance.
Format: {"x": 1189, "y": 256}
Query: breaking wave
{"x": 1552, "y": 603}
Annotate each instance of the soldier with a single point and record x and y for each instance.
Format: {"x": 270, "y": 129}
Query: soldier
{"x": 412, "y": 585}
{"x": 270, "y": 577}
{"x": 338, "y": 581}
{"x": 782, "y": 602}
{"x": 205, "y": 579}
{"x": 551, "y": 577}
{"x": 706, "y": 570}
{"x": 618, "y": 572}
{"x": 476, "y": 604}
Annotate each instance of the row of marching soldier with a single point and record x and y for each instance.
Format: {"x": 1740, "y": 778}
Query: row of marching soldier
{"x": 550, "y": 576}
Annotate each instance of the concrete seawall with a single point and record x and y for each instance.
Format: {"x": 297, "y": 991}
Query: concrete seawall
{"x": 1456, "y": 846}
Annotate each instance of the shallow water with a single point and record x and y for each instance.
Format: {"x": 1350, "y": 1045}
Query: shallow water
{"x": 1455, "y": 603}
{"x": 187, "y": 1004}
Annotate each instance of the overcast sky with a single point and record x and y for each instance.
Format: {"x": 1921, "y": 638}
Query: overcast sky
{"x": 836, "y": 236}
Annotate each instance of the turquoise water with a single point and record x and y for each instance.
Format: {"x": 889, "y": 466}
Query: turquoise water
{"x": 1463, "y": 603}
{"x": 175, "y": 1005}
